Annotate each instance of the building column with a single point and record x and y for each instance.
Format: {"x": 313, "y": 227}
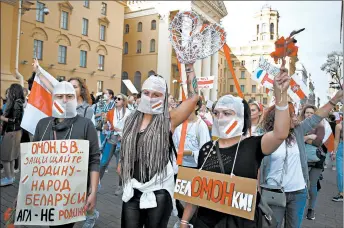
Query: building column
{"x": 215, "y": 73}
{"x": 164, "y": 49}
{"x": 206, "y": 73}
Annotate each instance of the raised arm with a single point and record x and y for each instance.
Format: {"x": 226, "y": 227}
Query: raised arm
{"x": 273, "y": 139}
{"x": 180, "y": 114}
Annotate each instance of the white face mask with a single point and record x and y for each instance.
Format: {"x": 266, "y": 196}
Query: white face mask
{"x": 106, "y": 97}
{"x": 226, "y": 128}
{"x": 151, "y": 105}
{"x": 63, "y": 109}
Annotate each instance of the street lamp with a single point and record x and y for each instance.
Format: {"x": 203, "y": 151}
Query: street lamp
{"x": 20, "y": 9}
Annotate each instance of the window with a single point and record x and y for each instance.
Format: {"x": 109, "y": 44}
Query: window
{"x": 139, "y": 27}
{"x": 39, "y": 12}
{"x": 220, "y": 73}
{"x": 242, "y": 88}
{"x": 242, "y": 74}
{"x": 101, "y": 60}
{"x": 61, "y": 78}
{"x": 126, "y": 48}
{"x": 231, "y": 88}
{"x": 254, "y": 88}
{"x": 138, "y": 48}
{"x": 102, "y": 32}
{"x": 126, "y": 29}
{"x": 104, "y": 8}
{"x": 257, "y": 29}
{"x": 272, "y": 28}
{"x": 124, "y": 88}
{"x": 83, "y": 58}
{"x": 243, "y": 63}
{"x": 265, "y": 100}
{"x": 137, "y": 80}
{"x": 38, "y": 49}
{"x": 152, "y": 45}
{"x": 264, "y": 27}
{"x": 84, "y": 26}
{"x": 233, "y": 63}
{"x": 87, "y": 3}
{"x": 62, "y": 54}
{"x": 263, "y": 37}
{"x": 153, "y": 25}
{"x": 64, "y": 20}
{"x": 99, "y": 86}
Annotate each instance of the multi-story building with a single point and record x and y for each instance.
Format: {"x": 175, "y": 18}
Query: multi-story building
{"x": 76, "y": 39}
{"x": 147, "y": 48}
{"x": 245, "y": 58}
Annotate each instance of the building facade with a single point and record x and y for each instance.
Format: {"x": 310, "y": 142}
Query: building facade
{"x": 76, "y": 39}
{"x": 245, "y": 58}
{"x": 147, "y": 49}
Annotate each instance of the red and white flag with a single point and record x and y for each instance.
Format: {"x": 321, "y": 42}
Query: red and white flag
{"x": 157, "y": 105}
{"x": 58, "y": 108}
{"x": 297, "y": 90}
{"x": 205, "y": 82}
{"x": 40, "y": 103}
{"x": 232, "y": 127}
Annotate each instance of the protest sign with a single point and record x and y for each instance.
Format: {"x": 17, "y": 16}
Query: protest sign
{"x": 53, "y": 185}
{"x": 205, "y": 82}
{"x": 228, "y": 194}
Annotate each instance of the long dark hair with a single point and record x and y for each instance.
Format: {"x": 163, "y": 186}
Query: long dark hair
{"x": 304, "y": 110}
{"x": 84, "y": 93}
{"x": 15, "y": 94}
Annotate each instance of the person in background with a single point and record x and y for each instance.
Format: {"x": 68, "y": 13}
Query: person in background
{"x": 115, "y": 119}
{"x": 10, "y": 146}
{"x": 314, "y": 138}
{"x": 138, "y": 99}
{"x": 197, "y": 135}
{"x": 93, "y": 98}
{"x": 131, "y": 103}
{"x": 330, "y": 159}
{"x": 73, "y": 126}
{"x": 256, "y": 116}
{"x": 338, "y": 147}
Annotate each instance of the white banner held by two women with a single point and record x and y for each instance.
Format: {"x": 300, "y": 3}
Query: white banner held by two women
{"x": 53, "y": 185}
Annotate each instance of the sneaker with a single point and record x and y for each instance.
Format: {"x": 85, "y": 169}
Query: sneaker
{"x": 119, "y": 191}
{"x": 325, "y": 166}
{"x": 16, "y": 171}
{"x": 6, "y": 181}
{"x": 177, "y": 224}
{"x": 91, "y": 219}
{"x": 333, "y": 168}
{"x": 106, "y": 170}
{"x": 310, "y": 214}
{"x": 338, "y": 198}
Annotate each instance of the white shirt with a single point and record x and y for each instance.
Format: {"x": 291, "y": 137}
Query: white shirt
{"x": 119, "y": 119}
{"x": 292, "y": 172}
{"x": 197, "y": 134}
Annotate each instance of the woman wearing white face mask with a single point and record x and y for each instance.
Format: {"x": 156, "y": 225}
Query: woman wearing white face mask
{"x": 66, "y": 124}
{"x": 239, "y": 155}
{"x": 146, "y": 170}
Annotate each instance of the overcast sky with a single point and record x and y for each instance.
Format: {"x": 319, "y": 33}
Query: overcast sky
{"x": 321, "y": 20}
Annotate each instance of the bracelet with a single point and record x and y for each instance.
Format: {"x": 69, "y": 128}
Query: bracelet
{"x": 282, "y": 108}
{"x": 332, "y": 103}
{"x": 184, "y": 222}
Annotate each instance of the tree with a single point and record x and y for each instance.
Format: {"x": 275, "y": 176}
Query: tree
{"x": 333, "y": 67}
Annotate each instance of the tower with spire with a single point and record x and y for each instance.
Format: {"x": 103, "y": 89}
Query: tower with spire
{"x": 266, "y": 24}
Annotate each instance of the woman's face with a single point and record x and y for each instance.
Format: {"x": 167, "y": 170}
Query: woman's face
{"x": 77, "y": 87}
{"x": 152, "y": 93}
{"x": 309, "y": 112}
{"x": 171, "y": 100}
{"x": 255, "y": 113}
{"x": 119, "y": 101}
{"x": 64, "y": 98}
{"x": 220, "y": 113}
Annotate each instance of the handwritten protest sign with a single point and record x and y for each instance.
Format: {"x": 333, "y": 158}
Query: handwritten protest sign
{"x": 232, "y": 195}
{"x": 205, "y": 82}
{"x": 53, "y": 185}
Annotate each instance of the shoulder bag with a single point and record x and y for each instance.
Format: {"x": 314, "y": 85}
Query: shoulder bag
{"x": 312, "y": 153}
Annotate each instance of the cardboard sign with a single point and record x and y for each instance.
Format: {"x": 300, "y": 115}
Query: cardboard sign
{"x": 53, "y": 185}
{"x": 231, "y": 195}
{"x": 205, "y": 82}
{"x": 130, "y": 86}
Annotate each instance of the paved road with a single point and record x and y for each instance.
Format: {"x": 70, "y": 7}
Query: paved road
{"x": 328, "y": 214}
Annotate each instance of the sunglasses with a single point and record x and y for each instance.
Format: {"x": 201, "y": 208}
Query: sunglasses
{"x": 118, "y": 99}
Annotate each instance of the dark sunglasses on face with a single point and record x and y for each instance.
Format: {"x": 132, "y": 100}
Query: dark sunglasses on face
{"x": 118, "y": 99}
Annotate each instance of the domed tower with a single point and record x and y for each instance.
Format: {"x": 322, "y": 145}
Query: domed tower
{"x": 266, "y": 24}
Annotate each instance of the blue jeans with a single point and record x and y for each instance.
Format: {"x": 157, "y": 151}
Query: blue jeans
{"x": 294, "y": 210}
{"x": 314, "y": 175}
{"x": 108, "y": 151}
{"x": 339, "y": 163}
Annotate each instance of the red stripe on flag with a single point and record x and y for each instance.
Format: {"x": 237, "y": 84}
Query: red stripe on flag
{"x": 231, "y": 127}
{"x": 156, "y": 105}
{"x": 205, "y": 82}
{"x": 297, "y": 89}
{"x": 267, "y": 79}
{"x": 330, "y": 143}
{"x": 41, "y": 99}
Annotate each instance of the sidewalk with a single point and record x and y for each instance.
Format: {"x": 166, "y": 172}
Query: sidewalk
{"x": 328, "y": 214}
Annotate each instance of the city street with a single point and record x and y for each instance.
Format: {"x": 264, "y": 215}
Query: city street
{"x": 328, "y": 214}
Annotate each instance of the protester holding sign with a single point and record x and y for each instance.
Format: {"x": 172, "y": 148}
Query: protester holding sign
{"x": 146, "y": 169}
{"x": 284, "y": 167}
{"x": 66, "y": 124}
{"x": 237, "y": 155}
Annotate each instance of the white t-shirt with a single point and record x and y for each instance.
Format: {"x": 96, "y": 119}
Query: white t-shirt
{"x": 119, "y": 119}
{"x": 197, "y": 134}
{"x": 292, "y": 172}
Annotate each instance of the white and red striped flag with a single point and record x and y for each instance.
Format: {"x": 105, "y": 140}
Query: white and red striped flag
{"x": 231, "y": 128}
{"x": 205, "y": 82}
{"x": 297, "y": 90}
{"x": 40, "y": 102}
